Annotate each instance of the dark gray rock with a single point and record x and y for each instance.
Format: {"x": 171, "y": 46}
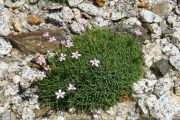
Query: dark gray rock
{"x": 160, "y": 68}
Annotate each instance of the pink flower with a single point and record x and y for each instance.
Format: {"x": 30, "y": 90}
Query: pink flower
{"x": 41, "y": 75}
{"x": 46, "y": 34}
{"x": 52, "y": 39}
{"x": 75, "y": 55}
{"x": 137, "y": 32}
{"x": 62, "y": 42}
{"x": 41, "y": 60}
{"x": 47, "y": 67}
{"x": 71, "y": 87}
{"x": 95, "y": 62}
{"x": 31, "y": 77}
{"x": 82, "y": 22}
{"x": 69, "y": 43}
{"x": 60, "y": 94}
{"x": 62, "y": 57}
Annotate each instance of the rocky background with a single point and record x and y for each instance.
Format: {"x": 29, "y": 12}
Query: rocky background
{"x": 157, "y": 22}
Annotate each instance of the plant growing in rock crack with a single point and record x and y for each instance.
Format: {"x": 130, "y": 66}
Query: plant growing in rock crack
{"x": 91, "y": 72}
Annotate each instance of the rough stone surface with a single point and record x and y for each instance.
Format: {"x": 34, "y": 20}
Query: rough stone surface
{"x": 89, "y": 8}
{"x": 3, "y": 69}
{"x": 175, "y": 61}
{"x": 161, "y": 67}
{"x": 5, "y": 47}
{"x": 29, "y": 42}
{"x": 74, "y": 3}
{"x": 4, "y": 26}
{"x": 163, "y": 86}
{"x": 148, "y": 16}
{"x": 66, "y": 14}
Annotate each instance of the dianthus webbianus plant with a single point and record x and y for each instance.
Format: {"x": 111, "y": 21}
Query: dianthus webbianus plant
{"x": 92, "y": 72}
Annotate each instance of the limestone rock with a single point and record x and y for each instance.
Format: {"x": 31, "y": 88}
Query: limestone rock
{"x": 144, "y": 86}
{"x": 163, "y": 86}
{"x": 48, "y": 5}
{"x": 100, "y": 22}
{"x": 89, "y": 8}
{"x": 4, "y": 26}
{"x": 28, "y": 114}
{"x": 74, "y": 3}
{"x": 170, "y": 49}
{"x": 75, "y": 27}
{"x": 175, "y": 61}
{"x": 5, "y": 47}
{"x": 34, "y": 42}
{"x": 3, "y": 69}
{"x": 66, "y": 14}
{"x": 156, "y": 29}
{"x": 148, "y": 16}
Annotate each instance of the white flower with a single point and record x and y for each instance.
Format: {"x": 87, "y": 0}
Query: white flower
{"x": 71, "y": 87}
{"x": 52, "y": 39}
{"x": 95, "y": 62}
{"x": 47, "y": 67}
{"x": 62, "y": 57}
{"x": 31, "y": 77}
{"x": 75, "y": 55}
{"x": 46, "y": 34}
{"x": 69, "y": 43}
{"x": 60, "y": 94}
{"x": 41, "y": 60}
{"x": 41, "y": 75}
{"x": 62, "y": 42}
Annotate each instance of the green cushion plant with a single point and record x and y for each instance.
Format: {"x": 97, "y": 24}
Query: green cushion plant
{"x": 107, "y": 65}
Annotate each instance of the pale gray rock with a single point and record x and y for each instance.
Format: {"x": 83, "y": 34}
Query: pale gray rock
{"x": 89, "y": 9}
{"x": 28, "y": 114}
{"x": 133, "y": 21}
{"x": 11, "y": 90}
{"x": 175, "y": 61}
{"x": 2, "y": 109}
{"x": 156, "y": 29}
{"x": 146, "y": 103}
{"x": 117, "y": 16}
{"x": 74, "y": 3}
{"x": 148, "y": 16}
{"x": 16, "y": 99}
{"x": 75, "y": 27}
{"x": 14, "y": 67}
{"x": 4, "y": 26}
{"x": 3, "y": 69}
{"x": 170, "y": 49}
{"x": 6, "y": 116}
{"x": 8, "y": 3}
{"x": 48, "y": 5}
{"x": 5, "y": 47}
{"x": 66, "y": 14}
{"x": 164, "y": 108}
{"x": 163, "y": 86}
{"x": 100, "y": 22}
{"x": 144, "y": 86}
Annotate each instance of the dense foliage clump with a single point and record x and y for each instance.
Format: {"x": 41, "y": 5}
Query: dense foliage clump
{"x": 118, "y": 63}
